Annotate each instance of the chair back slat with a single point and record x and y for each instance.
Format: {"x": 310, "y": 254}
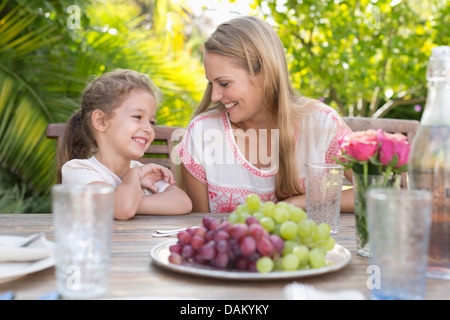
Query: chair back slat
{"x": 159, "y": 151}
{"x": 407, "y": 127}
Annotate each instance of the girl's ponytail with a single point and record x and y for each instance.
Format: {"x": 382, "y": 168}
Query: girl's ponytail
{"x": 75, "y": 143}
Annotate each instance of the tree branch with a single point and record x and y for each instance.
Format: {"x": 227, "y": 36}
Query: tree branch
{"x": 374, "y": 103}
{"x": 336, "y": 98}
{"x": 388, "y": 106}
{"x": 306, "y": 44}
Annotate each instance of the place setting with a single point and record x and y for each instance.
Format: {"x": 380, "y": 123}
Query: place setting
{"x": 20, "y": 256}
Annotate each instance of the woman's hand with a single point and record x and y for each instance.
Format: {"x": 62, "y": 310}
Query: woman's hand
{"x": 298, "y": 201}
{"x": 347, "y": 201}
{"x": 151, "y": 173}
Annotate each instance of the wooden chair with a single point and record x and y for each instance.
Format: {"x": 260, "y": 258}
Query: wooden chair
{"x": 406, "y": 127}
{"x": 159, "y": 152}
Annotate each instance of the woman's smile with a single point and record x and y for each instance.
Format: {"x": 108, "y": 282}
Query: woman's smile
{"x": 230, "y": 106}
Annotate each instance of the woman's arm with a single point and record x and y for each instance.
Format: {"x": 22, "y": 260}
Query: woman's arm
{"x": 347, "y": 198}
{"x": 347, "y": 201}
{"x": 196, "y": 190}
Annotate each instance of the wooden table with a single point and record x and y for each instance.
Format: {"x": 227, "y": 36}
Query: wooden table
{"x": 134, "y": 276}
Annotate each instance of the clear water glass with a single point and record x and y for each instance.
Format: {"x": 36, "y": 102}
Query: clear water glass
{"x": 82, "y": 219}
{"x": 399, "y": 225}
{"x": 323, "y": 193}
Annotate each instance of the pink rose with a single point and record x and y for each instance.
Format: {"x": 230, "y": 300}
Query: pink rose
{"x": 361, "y": 145}
{"x": 394, "y": 144}
{"x": 339, "y": 156}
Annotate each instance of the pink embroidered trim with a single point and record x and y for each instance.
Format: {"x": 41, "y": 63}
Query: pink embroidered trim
{"x": 334, "y": 146}
{"x": 226, "y": 200}
{"x": 303, "y": 184}
{"x": 194, "y": 168}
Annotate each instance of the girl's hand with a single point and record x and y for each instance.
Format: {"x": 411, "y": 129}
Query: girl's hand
{"x": 151, "y": 173}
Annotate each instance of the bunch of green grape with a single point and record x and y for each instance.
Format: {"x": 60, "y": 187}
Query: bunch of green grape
{"x": 305, "y": 243}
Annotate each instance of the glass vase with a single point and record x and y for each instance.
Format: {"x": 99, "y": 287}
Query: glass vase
{"x": 361, "y": 184}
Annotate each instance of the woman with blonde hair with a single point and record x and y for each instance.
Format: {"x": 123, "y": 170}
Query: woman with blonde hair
{"x": 251, "y": 132}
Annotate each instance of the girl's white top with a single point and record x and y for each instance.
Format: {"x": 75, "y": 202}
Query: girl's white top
{"x": 84, "y": 171}
{"x": 210, "y": 153}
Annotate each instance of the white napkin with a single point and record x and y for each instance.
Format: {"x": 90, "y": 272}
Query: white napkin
{"x": 299, "y": 291}
{"x": 10, "y": 250}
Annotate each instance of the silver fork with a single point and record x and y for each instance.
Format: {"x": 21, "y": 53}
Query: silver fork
{"x": 32, "y": 239}
{"x": 173, "y": 230}
{"x": 170, "y": 230}
{"x": 161, "y": 235}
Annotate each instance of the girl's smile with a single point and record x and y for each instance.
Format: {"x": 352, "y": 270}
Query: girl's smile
{"x": 140, "y": 140}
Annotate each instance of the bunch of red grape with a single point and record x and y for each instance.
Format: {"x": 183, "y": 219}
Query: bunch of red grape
{"x": 257, "y": 237}
{"x": 225, "y": 245}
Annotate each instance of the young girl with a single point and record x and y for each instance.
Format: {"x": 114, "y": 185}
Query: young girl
{"x": 102, "y": 140}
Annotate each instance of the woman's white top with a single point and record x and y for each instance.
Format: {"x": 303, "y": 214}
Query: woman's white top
{"x": 84, "y": 171}
{"x": 210, "y": 153}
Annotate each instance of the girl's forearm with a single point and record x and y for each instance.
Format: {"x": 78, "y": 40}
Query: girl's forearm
{"x": 173, "y": 201}
{"x": 128, "y": 196}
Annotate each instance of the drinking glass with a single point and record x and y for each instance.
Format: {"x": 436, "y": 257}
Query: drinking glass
{"x": 323, "y": 193}
{"x": 83, "y": 219}
{"x": 399, "y": 225}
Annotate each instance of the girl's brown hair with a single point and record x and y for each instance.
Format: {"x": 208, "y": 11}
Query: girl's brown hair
{"x": 254, "y": 45}
{"x": 105, "y": 93}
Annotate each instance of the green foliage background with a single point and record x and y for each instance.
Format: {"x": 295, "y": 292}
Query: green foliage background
{"x": 362, "y": 57}
{"x": 351, "y": 53}
{"x": 47, "y": 54}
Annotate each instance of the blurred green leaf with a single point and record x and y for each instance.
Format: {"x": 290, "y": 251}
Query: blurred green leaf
{"x": 45, "y": 64}
{"x": 348, "y": 53}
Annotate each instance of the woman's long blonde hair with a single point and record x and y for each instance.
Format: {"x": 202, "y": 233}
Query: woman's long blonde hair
{"x": 254, "y": 45}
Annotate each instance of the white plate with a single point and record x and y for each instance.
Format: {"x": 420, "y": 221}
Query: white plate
{"x": 13, "y": 270}
{"x": 339, "y": 257}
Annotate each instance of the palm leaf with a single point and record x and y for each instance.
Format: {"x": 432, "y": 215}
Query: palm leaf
{"x": 44, "y": 67}
{"x": 15, "y": 41}
{"x": 23, "y": 147}
{"x": 26, "y": 156}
